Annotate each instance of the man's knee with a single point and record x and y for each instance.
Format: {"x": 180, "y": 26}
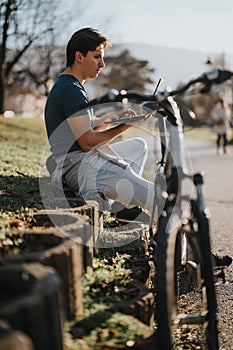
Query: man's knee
{"x": 141, "y": 144}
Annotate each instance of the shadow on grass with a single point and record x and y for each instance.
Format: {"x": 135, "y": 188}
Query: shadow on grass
{"x": 113, "y": 330}
{"x": 18, "y": 192}
{"x": 90, "y": 323}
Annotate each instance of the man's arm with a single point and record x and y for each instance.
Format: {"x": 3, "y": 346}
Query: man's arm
{"x": 88, "y": 138}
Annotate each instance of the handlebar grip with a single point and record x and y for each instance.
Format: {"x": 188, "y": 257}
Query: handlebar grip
{"x": 216, "y": 76}
{"x": 223, "y": 75}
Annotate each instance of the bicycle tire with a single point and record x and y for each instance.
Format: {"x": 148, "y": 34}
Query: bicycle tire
{"x": 164, "y": 279}
{"x": 202, "y": 222}
{"x": 180, "y": 283}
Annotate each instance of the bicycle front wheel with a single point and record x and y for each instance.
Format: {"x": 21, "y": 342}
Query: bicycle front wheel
{"x": 165, "y": 297}
{"x": 185, "y": 299}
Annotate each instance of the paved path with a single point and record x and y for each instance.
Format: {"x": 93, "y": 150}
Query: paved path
{"x": 219, "y": 199}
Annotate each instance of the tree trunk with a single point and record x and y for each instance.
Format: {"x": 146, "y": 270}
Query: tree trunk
{"x": 2, "y": 94}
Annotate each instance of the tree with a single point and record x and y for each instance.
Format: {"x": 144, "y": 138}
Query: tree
{"x": 23, "y": 23}
{"x": 123, "y": 71}
{"x": 40, "y": 67}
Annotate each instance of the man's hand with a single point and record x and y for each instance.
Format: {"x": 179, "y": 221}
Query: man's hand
{"x": 102, "y": 122}
{"x": 129, "y": 118}
{"x": 126, "y": 113}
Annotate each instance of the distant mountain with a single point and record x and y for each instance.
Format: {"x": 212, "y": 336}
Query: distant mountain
{"x": 173, "y": 65}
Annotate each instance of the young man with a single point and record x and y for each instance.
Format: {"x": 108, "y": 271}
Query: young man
{"x": 85, "y": 160}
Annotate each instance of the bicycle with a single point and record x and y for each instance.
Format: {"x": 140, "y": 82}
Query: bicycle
{"x": 179, "y": 243}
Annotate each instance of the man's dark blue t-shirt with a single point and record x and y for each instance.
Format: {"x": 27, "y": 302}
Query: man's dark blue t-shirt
{"x": 66, "y": 98}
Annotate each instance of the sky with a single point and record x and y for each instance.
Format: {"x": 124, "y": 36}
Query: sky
{"x": 202, "y": 25}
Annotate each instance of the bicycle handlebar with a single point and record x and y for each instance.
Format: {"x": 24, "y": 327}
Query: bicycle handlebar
{"x": 214, "y": 77}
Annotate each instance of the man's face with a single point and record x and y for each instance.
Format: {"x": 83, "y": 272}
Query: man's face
{"x": 93, "y": 62}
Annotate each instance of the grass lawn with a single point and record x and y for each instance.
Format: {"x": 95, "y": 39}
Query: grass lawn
{"x": 201, "y": 133}
{"x": 22, "y": 144}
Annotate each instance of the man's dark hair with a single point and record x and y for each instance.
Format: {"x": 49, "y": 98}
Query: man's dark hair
{"x": 84, "y": 40}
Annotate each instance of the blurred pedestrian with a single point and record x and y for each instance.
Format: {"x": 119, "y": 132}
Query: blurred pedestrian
{"x": 221, "y": 119}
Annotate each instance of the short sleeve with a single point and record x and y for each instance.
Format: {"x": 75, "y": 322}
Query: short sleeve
{"x": 73, "y": 100}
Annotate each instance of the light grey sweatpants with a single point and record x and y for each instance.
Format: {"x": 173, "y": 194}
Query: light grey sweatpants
{"x": 92, "y": 172}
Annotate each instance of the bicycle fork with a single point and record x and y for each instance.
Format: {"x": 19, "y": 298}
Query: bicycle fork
{"x": 202, "y": 216}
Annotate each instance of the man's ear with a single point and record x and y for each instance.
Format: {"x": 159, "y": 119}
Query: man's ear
{"x": 78, "y": 56}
